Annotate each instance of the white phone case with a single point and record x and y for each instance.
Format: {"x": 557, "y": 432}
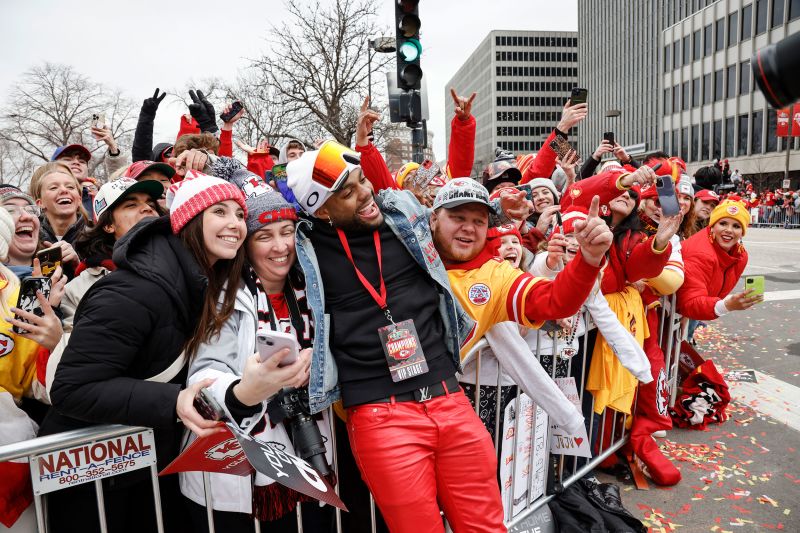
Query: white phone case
{"x": 271, "y": 342}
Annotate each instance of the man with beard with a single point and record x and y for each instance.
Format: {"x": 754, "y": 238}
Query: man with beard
{"x": 394, "y": 331}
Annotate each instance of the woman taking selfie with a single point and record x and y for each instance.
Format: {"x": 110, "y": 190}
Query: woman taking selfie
{"x": 132, "y": 335}
{"x": 270, "y": 298}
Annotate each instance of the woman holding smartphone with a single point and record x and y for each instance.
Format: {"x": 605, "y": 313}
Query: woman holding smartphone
{"x": 270, "y": 298}
{"x": 714, "y": 259}
{"x": 132, "y": 335}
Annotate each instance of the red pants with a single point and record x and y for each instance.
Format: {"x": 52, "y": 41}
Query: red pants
{"x": 415, "y": 457}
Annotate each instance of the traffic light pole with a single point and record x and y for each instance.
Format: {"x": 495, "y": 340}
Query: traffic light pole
{"x": 417, "y": 141}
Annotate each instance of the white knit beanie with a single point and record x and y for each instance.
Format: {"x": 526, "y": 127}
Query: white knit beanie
{"x": 197, "y": 192}
{"x": 6, "y": 233}
{"x": 546, "y": 183}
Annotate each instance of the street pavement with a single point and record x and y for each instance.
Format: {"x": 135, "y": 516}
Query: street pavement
{"x": 743, "y": 475}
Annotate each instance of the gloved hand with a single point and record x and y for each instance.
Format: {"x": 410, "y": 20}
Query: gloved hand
{"x": 203, "y": 112}
{"x": 150, "y": 105}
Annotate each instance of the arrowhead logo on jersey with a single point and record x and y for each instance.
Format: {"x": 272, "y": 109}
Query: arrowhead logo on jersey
{"x": 479, "y": 294}
{"x": 6, "y": 344}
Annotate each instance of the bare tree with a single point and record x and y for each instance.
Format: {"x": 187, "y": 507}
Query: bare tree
{"x": 16, "y": 165}
{"x": 52, "y": 105}
{"x": 316, "y": 69}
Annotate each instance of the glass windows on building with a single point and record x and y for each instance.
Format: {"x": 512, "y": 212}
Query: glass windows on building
{"x": 731, "y": 81}
{"x": 730, "y": 136}
{"x": 717, "y": 135}
{"x": 744, "y": 121}
{"x": 705, "y": 146}
{"x": 744, "y": 77}
{"x": 778, "y": 7}
{"x": 761, "y": 16}
{"x": 733, "y": 28}
{"x": 747, "y": 22}
{"x": 693, "y": 155}
{"x": 697, "y": 45}
{"x": 708, "y": 40}
{"x": 719, "y": 93}
{"x": 720, "y": 29}
{"x": 695, "y": 92}
{"x": 756, "y": 132}
{"x": 772, "y": 130}
{"x": 707, "y": 89}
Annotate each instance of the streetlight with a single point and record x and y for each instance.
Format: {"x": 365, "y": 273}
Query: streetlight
{"x": 380, "y": 45}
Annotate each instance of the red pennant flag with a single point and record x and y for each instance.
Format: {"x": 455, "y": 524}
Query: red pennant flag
{"x": 220, "y": 453}
{"x": 782, "y": 129}
{"x": 796, "y": 121}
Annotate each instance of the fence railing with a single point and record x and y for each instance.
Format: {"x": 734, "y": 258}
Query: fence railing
{"x": 765, "y": 216}
{"x": 529, "y": 456}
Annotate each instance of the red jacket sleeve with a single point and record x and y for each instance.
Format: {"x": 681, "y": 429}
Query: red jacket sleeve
{"x": 532, "y": 239}
{"x": 375, "y": 169}
{"x": 605, "y": 185}
{"x": 564, "y": 296}
{"x": 226, "y": 143}
{"x": 693, "y": 299}
{"x": 545, "y": 162}
{"x": 644, "y": 262}
{"x": 461, "y": 152}
{"x": 259, "y": 163}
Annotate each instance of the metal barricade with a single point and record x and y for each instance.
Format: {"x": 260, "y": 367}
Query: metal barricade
{"x": 765, "y": 216}
{"x": 565, "y": 470}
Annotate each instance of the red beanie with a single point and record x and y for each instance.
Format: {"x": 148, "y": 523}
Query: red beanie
{"x": 570, "y": 216}
{"x": 494, "y": 234}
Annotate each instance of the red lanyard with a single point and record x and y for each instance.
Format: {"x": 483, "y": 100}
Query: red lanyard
{"x": 380, "y": 299}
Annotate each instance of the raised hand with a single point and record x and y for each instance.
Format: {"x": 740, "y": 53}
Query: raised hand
{"x": 667, "y": 227}
{"x": 229, "y": 124}
{"x": 568, "y": 166}
{"x": 193, "y": 420}
{"x": 593, "y": 235}
{"x": 203, "y": 112}
{"x": 572, "y": 115}
{"x": 150, "y": 105}
{"x": 603, "y": 148}
{"x": 514, "y": 204}
{"x": 644, "y": 175}
{"x": 366, "y": 118}
{"x": 463, "y": 106}
{"x": 189, "y": 160}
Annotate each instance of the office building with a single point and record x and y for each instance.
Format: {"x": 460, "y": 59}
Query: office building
{"x": 522, "y": 79}
{"x": 398, "y": 149}
{"x": 675, "y": 76}
{"x": 711, "y": 107}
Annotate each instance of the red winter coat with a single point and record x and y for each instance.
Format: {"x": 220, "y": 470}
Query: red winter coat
{"x": 632, "y": 260}
{"x": 711, "y": 274}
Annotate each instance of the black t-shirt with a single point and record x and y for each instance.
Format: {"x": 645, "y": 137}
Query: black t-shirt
{"x": 355, "y": 316}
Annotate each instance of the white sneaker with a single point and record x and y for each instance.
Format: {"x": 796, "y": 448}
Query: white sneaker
{"x": 660, "y": 434}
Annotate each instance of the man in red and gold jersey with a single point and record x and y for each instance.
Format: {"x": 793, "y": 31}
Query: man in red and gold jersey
{"x": 489, "y": 289}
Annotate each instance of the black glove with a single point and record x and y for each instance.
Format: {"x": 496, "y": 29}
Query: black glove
{"x": 203, "y": 112}
{"x": 150, "y": 105}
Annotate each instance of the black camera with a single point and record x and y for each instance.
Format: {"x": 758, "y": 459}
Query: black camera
{"x": 291, "y": 404}
{"x": 775, "y": 69}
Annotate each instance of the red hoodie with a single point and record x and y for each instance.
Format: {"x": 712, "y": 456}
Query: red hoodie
{"x": 191, "y": 127}
{"x": 711, "y": 274}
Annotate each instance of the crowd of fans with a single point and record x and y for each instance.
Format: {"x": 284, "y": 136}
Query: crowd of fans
{"x": 171, "y": 270}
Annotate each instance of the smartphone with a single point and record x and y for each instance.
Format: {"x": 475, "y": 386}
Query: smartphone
{"x": 527, "y": 188}
{"x": 278, "y": 173}
{"x": 578, "y": 96}
{"x": 666, "y": 196}
{"x": 207, "y": 406}
{"x": 609, "y": 136}
{"x": 235, "y": 108}
{"x": 561, "y": 146}
{"x": 756, "y": 283}
{"x": 425, "y": 174}
{"x": 49, "y": 259}
{"x": 27, "y": 300}
{"x": 99, "y": 120}
{"x": 271, "y": 342}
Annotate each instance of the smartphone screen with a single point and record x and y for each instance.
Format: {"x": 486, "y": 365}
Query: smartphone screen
{"x": 49, "y": 260}
{"x": 756, "y": 283}
{"x": 609, "y": 136}
{"x": 27, "y": 300}
{"x": 527, "y": 188}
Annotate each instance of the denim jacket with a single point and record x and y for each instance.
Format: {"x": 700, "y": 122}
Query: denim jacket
{"x": 409, "y": 221}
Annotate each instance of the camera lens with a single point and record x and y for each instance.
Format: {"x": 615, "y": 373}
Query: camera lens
{"x": 775, "y": 70}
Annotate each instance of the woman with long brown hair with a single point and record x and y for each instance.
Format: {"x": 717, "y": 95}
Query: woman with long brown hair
{"x": 132, "y": 335}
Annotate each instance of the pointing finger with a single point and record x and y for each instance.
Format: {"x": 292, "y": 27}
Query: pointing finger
{"x": 365, "y": 104}
{"x": 455, "y": 97}
{"x": 594, "y": 208}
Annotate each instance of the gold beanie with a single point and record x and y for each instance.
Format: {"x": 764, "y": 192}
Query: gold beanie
{"x": 734, "y": 209}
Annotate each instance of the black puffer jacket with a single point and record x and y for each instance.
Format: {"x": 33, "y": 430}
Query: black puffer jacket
{"x": 130, "y": 326}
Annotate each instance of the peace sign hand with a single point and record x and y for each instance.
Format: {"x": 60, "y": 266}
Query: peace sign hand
{"x": 366, "y": 119}
{"x": 463, "y": 105}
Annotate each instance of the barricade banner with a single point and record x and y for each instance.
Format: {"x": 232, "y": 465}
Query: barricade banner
{"x": 561, "y": 442}
{"x": 89, "y": 462}
{"x": 219, "y": 453}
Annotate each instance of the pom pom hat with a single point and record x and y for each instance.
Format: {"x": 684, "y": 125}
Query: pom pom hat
{"x": 197, "y": 192}
{"x": 734, "y": 209}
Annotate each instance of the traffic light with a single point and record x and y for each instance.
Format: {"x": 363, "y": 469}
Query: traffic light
{"x": 409, "y": 50}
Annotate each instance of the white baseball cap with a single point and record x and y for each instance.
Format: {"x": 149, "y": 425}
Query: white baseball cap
{"x": 316, "y": 175}
{"x": 461, "y": 191}
{"x": 113, "y": 192}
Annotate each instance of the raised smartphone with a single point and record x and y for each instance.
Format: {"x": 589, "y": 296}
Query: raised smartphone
{"x": 271, "y": 342}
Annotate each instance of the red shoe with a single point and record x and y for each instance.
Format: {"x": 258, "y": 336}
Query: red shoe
{"x": 659, "y": 468}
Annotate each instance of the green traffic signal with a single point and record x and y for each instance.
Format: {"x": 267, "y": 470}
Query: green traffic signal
{"x": 410, "y": 50}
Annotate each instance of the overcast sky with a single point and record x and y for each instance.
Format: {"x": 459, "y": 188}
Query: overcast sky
{"x": 143, "y": 44}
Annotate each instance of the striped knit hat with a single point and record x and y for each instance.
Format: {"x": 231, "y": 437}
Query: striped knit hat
{"x": 197, "y": 192}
